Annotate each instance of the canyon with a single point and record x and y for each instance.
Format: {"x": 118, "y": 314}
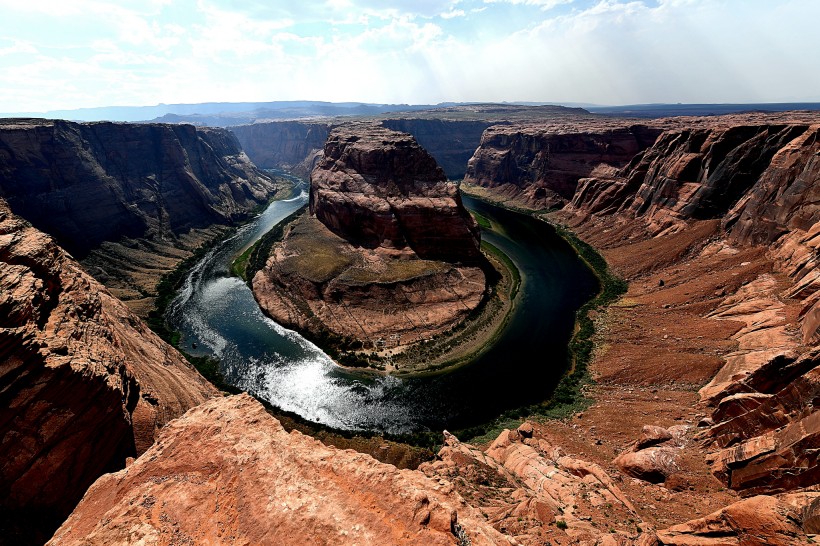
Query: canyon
{"x": 700, "y": 427}
{"x": 131, "y": 201}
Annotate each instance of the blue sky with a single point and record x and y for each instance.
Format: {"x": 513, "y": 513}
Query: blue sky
{"x": 57, "y": 54}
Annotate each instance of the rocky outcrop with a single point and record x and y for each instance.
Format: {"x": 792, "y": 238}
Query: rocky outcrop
{"x": 655, "y": 455}
{"x": 84, "y": 384}
{"x": 283, "y": 144}
{"x": 380, "y": 262}
{"x": 526, "y": 486}
{"x": 757, "y": 176}
{"x": 758, "y": 521}
{"x": 228, "y": 473}
{"x": 538, "y": 165}
{"x": 86, "y": 183}
{"x": 451, "y": 142}
{"x": 376, "y": 187}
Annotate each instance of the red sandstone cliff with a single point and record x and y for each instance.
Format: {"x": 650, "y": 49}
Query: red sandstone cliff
{"x": 85, "y": 183}
{"x": 83, "y": 382}
{"x": 228, "y": 473}
{"x": 376, "y": 187}
{"x": 538, "y": 164}
{"x": 756, "y": 177}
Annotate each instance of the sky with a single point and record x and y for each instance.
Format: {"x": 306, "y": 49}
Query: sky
{"x": 59, "y": 54}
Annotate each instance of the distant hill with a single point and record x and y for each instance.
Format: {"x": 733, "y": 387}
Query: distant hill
{"x": 224, "y": 113}
{"x": 228, "y": 114}
{"x": 669, "y": 110}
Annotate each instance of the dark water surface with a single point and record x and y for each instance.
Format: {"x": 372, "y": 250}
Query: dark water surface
{"x": 218, "y": 313}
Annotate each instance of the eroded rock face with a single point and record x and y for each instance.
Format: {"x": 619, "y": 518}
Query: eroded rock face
{"x": 758, "y": 521}
{"x": 539, "y": 165}
{"x": 85, "y": 383}
{"x": 758, "y": 177}
{"x": 85, "y": 183}
{"x": 376, "y": 187}
{"x": 282, "y": 144}
{"x": 388, "y": 256}
{"x": 227, "y": 472}
{"x": 452, "y": 143}
{"x": 655, "y": 455}
{"x": 735, "y": 170}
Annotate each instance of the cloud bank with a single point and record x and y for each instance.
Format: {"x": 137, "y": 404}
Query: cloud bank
{"x": 57, "y": 54}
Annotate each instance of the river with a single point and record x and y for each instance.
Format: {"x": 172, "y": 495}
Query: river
{"x": 218, "y": 316}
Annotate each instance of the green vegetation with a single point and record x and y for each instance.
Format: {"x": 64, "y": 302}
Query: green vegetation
{"x": 239, "y": 267}
{"x": 561, "y": 524}
{"x": 567, "y": 398}
{"x": 253, "y": 259}
{"x": 395, "y": 271}
{"x": 483, "y": 221}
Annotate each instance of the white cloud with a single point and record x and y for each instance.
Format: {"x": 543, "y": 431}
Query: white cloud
{"x": 87, "y": 52}
{"x": 543, "y": 4}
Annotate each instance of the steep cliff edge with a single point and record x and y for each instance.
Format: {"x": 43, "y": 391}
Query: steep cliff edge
{"x": 388, "y": 255}
{"x": 538, "y": 165}
{"x": 376, "y": 187}
{"x": 754, "y": 180}
{"x": 84, "y": 382}
{"x": 228, "y": 473}
{"x": 85, "y": 183}
{"x": 285, "y": 145}
{"x": 451, "y": 142}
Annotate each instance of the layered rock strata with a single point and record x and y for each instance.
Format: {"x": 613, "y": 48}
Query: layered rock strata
{"x": 388, "y": 256}
{"x": 228, "y": 473}
{"x": 288, "y": 145}
{"x": 378, "y": 188}
{"x": 538, "y": 165}
{"x": 757, "y": 178}
{"x": 84, "y": 384}
{"x": 86, "y": 183}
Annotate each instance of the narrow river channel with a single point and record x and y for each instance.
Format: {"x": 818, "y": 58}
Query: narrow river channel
{"x": 217, "y": 314}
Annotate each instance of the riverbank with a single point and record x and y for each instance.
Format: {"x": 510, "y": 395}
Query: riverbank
{"x": 132, "y": 269}
{"x": 569, "y": 396}
{"x": 469, "y": 339}
{"x": 406, "y": 356}
{"x": 646, "y": 354}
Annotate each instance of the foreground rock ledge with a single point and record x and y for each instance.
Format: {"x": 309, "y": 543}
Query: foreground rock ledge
{"x": 228, "y": 473}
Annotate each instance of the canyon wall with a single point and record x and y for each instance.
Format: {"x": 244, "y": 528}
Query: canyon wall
{"x": 758, "y": 178}
{"x": 84, "y": 384}
{"x": 86, "y": 183}
{"x": 451, "y": 142}
{"x": 283, "y": 144}
{"x": 538, "y": 165}
{"x": 293, "y": 145}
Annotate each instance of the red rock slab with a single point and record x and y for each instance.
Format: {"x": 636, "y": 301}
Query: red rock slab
{"x": 228, "y": 473}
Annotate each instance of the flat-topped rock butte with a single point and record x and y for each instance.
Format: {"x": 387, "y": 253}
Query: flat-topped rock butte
{"x": 387, "y": 255}
{"x": 703, "y": 429}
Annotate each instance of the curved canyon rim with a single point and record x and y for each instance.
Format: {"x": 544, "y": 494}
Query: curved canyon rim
{"x": 217, "y": 314}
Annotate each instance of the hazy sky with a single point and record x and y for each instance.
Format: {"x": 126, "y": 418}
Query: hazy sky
{"x": 58, "y": 54}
